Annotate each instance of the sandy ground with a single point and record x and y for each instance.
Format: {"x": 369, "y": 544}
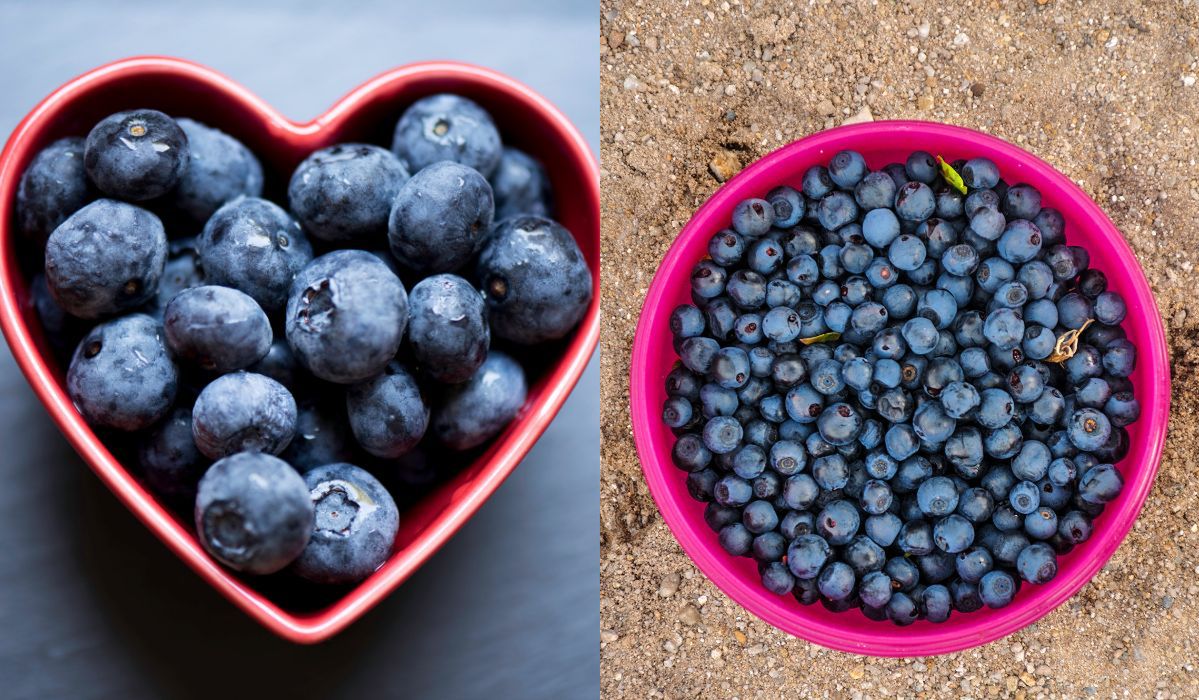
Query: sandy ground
{"x": 1106, "y": 92}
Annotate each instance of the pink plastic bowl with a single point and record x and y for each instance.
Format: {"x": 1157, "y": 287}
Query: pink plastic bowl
{"x": 653, "y": 358}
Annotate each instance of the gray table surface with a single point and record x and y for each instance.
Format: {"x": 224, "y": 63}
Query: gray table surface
{"x": 92, "y": 605}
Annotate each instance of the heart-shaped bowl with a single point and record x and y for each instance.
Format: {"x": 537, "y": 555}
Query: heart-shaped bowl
{"x": 653, "y": 357}
{"x": 368, "y": 113}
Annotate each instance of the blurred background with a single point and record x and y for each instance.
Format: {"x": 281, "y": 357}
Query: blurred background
{"x": 93, "y": 606}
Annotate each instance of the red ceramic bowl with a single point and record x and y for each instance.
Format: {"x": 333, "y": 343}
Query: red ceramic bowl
{"x": 368, "y": 113}
{"x": 653, "y": 357}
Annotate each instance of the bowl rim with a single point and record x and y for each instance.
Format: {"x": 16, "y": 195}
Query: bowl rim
{"x": 844, "y": 638}
{"x": 508, "y": 450}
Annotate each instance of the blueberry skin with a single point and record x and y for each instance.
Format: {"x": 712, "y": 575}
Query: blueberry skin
{"x": 320, "y": 438}
{"x": 63, "y": 330}
{"x": 243, "y": 412}
{"x": 387, "y": 413}
{"x": 136, "y": 155}
{"x": 182, "y": 271}
{"x": 752, "y": 218}
{"x": 534, "y": 279}
{"x": 439, "y": 217}
{"x": 280, "y": 364}
{"x": 996, "y": 589}
{"x": 469, "y": 414}
{"x": 106, "y": 258}
{"x": 344, "y": 193}
{"x": 220, "y": 169}
{"x": 253, "y": 513}
{"x": 53, "y": 187}
{"x": 122, "y": 375}
{"x": 218, "y": 328}
{"x": 168, "y": 456}
{"x": 346, "y": 316}
{"x": 447, "y": 328}
{"x": 1037, "y": 563}
{"x": 354, "y": 525}
{"x": 255, "y": 246}
{"x": 447, "y": 127}
{"x": 520, "y": 185}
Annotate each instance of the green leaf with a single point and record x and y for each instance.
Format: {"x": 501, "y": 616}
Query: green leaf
{"x": 951, "y": 176}
{"x": 822, "y": 338}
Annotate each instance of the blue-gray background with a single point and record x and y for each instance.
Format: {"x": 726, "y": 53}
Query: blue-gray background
{"x": 92, "y": 605}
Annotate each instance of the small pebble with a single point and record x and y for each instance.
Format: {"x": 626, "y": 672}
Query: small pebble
{"x": 669, "y": 585}
{"x": 689, "y": 615}
{"x": 724, "y": 165}
{"x": 608, "y": 636}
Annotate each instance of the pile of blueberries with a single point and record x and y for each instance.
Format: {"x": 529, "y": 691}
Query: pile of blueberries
{"x": 267, "y": 370}
{"x": 878, "y": 397}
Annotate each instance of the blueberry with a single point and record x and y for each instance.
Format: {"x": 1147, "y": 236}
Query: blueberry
{"x": 520, "y": 185}
{"x": 980, "y": 173}
{"x": 759, "y": 517}
{"x": 53, "y": 186}
{"x": 440, "y": 217}
{"x": 736, "y": 540}
{"x": 747, "y": 288}
{"x": 217, "y": 328}
{"x": 1100, "y": 484}
{"x": 1022, "y": 202}
{"x": 973, "y": 563}
{"x": 915, "y": 202}
{"x": 1025, "y": 497}
{"x": 106, "y": 258}
{"x": 753, "y": 218}
{"x": 937, "y": 496}
{"x": 937, "y": 603}
{"x": 958, "y": 399}
{"x": 1119, "y": 358}
{"x": 730, "y": 367}
{"x": 122, "y": 376}
{"x": 920, "y": 334}
{"x": 136, "y": 155}
{"x": 243, "y": 412}
{"x": 788, "y": 205}
{"x": 469, "y": 414}
{"x": 536, "y": 283}
{"x": 875, "y": 589}
{"x": 1122, "y": 408}
{"x": 346, "y": 316}
{"x": 987, "y": 224}
{"x": 916, "y": 538}
{"x": 1004, "y": 328}
{"x": 906, "y": 252}
{"x": 1020, "y": 242}
{"x": 838, "y": 522}
{"x": 1088, "y": 429}
{"x": 847, "y": 169}
{"x": 220, "y": 169}
{"x": 1110, "y": 308}
{"x": 836, "y": 210}
{"x": 253, "y": 513}
{"x": 279, "y": 364}
{"x": 254, "y": 246}
{"x": 320, "y": 436}
{"x": 697, "y": 353}
{"x": 817, "y": 182}
{"x": 883, "y": 529}
{"x": 354, "y": 526}
{"x": 1041, "y": 524}
{"x": 806, "y": 556}
{"x": 880, "y": 227}
{"x": 901, "y": 609}
{"x": 344, "y": 193}
{"x": 726, "y": 247}
{"x": 1075, "y": 526}
{"x": 836, "y": 581}
{"x": 447, "y": 127}
{"x": 996, "y": 589}
{"x": 922, "y": 167}
{"x": 775, "y": 576}
{"x": 875, "y": 191}
{"x": 831, "y": 472}
{"x": 1037, "y": 563}
{"x": 447, "y": 328}
{"x": 168, "y": 457}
